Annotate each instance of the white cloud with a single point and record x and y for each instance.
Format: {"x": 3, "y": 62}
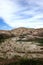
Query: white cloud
{"x": 8, "y": 8}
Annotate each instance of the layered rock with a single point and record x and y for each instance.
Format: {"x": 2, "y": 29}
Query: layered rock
{"x": 21, "y": 42}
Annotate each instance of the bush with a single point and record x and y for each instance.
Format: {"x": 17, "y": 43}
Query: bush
{"x": 26, "y": 61}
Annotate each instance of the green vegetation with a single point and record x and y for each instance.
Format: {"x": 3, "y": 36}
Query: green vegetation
{"x": 37, "y": 40}
{"x": 2, "y": 40}
{"x": 26, "y": 61}
{"x": 17, "y": 60}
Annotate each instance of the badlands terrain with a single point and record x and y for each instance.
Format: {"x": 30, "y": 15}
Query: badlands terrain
{"x": 21, "y": 42}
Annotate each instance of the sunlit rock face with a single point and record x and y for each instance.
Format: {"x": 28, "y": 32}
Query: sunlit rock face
{"x": 22, "y": 42}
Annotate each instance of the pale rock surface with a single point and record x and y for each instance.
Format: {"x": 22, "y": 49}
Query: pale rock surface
{"x": 22, "y": 42}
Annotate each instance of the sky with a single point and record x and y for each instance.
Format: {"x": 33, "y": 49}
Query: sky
{"x": 21, "y": 13}
{"x": 3, "y": 25}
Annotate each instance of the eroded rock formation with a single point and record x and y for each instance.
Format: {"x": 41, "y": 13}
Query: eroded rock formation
{"x": 22, "y": 42}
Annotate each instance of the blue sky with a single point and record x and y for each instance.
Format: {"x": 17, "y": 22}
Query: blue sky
{"x": 21, "y": 13}
{"x": 3, "y": 25}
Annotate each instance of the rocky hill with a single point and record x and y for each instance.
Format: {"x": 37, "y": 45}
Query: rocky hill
{"x": 23, "y": 42}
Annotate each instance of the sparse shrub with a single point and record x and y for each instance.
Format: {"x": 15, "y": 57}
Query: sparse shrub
{"x": 25, "y": 61}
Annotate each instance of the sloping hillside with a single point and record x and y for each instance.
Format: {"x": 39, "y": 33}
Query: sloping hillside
{"x": 21, "y": 42}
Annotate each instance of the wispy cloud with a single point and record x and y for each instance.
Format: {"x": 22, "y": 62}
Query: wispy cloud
{"x": 22, "y": 13}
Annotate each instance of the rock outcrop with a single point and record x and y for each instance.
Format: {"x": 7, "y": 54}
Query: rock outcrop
{"x": 22, "y": 42}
